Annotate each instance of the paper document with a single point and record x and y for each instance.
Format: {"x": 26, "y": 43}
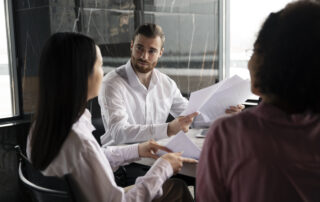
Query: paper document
{"x": 212, "y": 101}
{"x": 181, "y": 143}
{"x": 199, "y": 98}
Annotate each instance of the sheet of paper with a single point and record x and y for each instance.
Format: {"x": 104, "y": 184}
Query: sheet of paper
{"x": 199, "y": 98}
{"x": 212, "y": 101}
{"x": 230, "y": 82}
{"x": 236, "y": 94}
{"x": 181, "y": 143}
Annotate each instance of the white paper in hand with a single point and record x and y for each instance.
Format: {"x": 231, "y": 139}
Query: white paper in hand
{"x": 235, "y": 91}
{"x": 181, "y": 143}
{"x": 199, "y": 98}
{"x": 212, "y": 101}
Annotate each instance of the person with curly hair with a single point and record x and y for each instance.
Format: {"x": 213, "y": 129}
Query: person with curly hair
{"x": 272, "y": 152}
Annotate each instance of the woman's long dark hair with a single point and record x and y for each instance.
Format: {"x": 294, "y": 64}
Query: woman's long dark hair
{"x": 66, "y": 63}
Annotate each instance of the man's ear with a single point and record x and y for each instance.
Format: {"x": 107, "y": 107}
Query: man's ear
{"x": 131, "y": 45}
{"x": 161, "y": 51}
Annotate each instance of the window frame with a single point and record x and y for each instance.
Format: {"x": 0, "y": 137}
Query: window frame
{"x": 12, "y": 65}
{"x": 224, "y": 39}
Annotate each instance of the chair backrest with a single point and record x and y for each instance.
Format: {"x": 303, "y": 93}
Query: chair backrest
{"x": 43, "y": 188}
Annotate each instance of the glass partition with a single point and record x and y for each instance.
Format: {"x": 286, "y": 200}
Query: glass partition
{"x": 191, "y": 29}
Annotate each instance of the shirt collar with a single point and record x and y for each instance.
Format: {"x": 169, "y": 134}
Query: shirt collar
{"x": 85, "y": 119}
{"x": 86, "y": 116}
{"x": 134, "y": 80}
{"x": 154, "y": 79}
{"x": 132, "y": 77}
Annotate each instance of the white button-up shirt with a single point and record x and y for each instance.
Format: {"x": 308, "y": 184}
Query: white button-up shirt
{"x": 133, "y": 113}
{"x": 91, "y": 167}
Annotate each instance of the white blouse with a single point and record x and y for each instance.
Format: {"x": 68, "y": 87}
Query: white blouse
{"x": 91, "y": 167}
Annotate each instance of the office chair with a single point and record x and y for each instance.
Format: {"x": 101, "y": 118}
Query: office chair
{"x": 42, "y": 188}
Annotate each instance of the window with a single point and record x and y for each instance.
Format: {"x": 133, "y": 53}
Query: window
{"x": 191, "y": 28}
{"x": 192, "y": 51}
{"x": 206, "y": 40}
{"x": 246, "y": 18}
{"x": 8, "y": 103}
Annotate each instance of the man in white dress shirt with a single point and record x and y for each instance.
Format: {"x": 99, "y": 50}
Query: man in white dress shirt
{"x": 136, "y": 98}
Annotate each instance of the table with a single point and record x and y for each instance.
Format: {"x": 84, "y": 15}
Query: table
{"x": 188, "y": 169}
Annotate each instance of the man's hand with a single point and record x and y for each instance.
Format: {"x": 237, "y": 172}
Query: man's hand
{"x": 234, "y": 109}
{"x": 180, "y": 123}
{"x": 150, "y": 148}
{"x": 176, "y": 160}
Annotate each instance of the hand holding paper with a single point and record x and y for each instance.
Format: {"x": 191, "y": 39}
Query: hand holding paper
{"x": 180, "y": 123}
{"x": 181, "y": 143}
{"x": 177, "y": 161}
{"x": 213, "y": 101}
{"x": 234, "y": 109}
{"x": 149, "y": 149}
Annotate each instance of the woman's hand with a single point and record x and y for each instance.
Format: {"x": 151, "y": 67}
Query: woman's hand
{"x": 234, "y": 109}
{"x": 180, "y": 123}
{"x": 176, "y": 161}
{"x": 150, "y": 148}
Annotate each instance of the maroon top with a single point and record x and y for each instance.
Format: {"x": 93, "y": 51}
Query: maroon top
{"x": 261, "y": 154}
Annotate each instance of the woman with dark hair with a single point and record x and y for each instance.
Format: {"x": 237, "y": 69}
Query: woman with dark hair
{"x": 61, "y": 140}
{"x": 272, "y": 152}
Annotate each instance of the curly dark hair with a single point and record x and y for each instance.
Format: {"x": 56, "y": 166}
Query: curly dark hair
{"x": 289, "y": 46}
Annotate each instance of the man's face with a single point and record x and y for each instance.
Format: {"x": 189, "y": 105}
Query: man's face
{"x": 145, "y": 53}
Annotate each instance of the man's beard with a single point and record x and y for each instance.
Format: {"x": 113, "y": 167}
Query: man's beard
{"x": 142, "y": 69}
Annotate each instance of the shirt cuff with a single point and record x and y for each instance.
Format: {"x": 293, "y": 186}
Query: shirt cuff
{"x": 131, "y": 152}
{"x": 162, "y": 168}
{"x": 160, "y": 131}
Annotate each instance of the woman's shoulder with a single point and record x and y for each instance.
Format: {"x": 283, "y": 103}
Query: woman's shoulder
{"x": 81, "y": 141}
{"x": 233, "y": 127}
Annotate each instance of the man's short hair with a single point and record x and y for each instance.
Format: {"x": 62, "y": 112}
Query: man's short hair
{"x": 150, "y": 30}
